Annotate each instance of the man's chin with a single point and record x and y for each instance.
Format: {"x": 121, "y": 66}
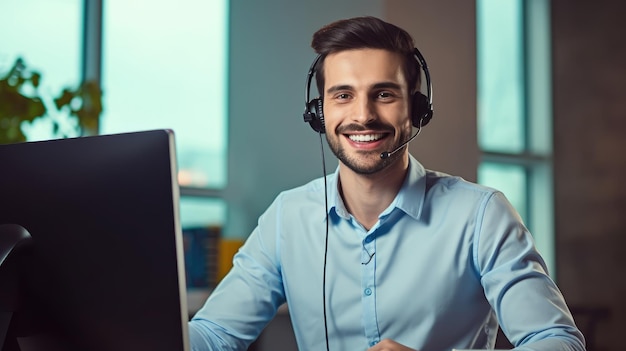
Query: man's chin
{"x": 366, "y": 168}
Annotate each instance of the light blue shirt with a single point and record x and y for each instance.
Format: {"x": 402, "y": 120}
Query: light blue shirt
{"x": 446, "y": 262}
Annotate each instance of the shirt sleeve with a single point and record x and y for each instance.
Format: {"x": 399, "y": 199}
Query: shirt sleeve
{"x": 247, "y": 298}
{"x": 530, "y": 308}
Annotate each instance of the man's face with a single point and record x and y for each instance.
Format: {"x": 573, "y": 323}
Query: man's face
{"x": 366, "y": 107}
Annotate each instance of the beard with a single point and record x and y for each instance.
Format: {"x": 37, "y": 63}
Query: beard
{"x": 364, "y": 162}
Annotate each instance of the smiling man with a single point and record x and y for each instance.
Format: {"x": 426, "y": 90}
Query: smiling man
{"x": 384, "y": 254}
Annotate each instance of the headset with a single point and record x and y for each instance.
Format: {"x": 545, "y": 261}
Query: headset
{"x": 421, "y": 110}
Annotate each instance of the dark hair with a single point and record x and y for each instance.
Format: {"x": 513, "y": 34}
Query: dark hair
{"x": 365, "y": 33}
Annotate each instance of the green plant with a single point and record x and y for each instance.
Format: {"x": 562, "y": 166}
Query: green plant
{"x": 21, "y": 102}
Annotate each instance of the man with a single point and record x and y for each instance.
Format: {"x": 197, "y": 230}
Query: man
{"x": 399, "y": 257}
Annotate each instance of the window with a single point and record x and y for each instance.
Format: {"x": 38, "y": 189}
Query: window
{"x": 164, "y": 66}
{"x": 514, "y": 110}
{"x": 160, "y": 65}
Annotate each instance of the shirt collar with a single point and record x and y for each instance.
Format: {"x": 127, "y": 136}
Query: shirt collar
{"x": 410, "y": 198}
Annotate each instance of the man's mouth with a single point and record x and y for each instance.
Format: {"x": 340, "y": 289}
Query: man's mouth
{"x": 364, "y": 138}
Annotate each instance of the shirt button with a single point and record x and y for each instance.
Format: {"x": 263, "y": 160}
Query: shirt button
{"x": 372, "y": 343}
{"x": 368, "y": 291}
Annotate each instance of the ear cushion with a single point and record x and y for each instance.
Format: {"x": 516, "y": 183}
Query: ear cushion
{"x": 422, "y": 111}
{"x": 315, "y": 115}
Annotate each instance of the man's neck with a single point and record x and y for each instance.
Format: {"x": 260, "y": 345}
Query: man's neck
{"x": 367, "y": 196}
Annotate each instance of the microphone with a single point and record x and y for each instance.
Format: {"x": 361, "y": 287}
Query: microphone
{"x": 386, "y": 154}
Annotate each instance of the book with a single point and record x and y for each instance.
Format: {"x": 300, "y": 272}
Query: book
{"x": 201, "y": 246}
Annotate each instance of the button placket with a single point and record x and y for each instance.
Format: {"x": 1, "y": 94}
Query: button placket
{"x": 368, "y": 284}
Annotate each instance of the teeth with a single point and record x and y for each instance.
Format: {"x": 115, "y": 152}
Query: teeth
{"x": 365, "y": 137}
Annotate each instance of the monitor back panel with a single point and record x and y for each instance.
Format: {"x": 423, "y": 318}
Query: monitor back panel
{"x": 105, "y": 268}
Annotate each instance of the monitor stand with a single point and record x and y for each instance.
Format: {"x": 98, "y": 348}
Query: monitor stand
{"x": 12, "y": 237}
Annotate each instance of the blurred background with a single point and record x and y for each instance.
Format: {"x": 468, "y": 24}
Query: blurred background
{"x": 527, "y": 99}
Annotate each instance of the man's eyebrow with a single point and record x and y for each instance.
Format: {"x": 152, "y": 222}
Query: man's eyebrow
{"x": 377, "y": 86}
{"x": 337, "y": 88}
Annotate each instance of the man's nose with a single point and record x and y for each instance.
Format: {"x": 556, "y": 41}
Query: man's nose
{"x": 364, "y": 111}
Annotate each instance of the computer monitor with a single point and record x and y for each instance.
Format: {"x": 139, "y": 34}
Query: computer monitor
{"x": 104, "y": 269}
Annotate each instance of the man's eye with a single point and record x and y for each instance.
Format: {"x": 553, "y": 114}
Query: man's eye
{"x": 385, "y": 95}
{"x": 343, "y": 96}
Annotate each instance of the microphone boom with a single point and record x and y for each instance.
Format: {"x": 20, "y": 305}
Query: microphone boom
{"x": 386, "y": 154}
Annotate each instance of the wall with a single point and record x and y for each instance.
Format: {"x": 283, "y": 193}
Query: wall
{"x": 589, "y": 82}
{"x": 444, "y": 31}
